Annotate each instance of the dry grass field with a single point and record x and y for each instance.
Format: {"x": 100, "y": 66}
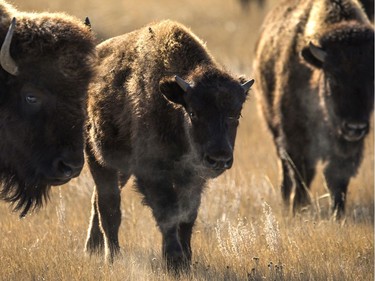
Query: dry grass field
{"x": 242, "y": 232}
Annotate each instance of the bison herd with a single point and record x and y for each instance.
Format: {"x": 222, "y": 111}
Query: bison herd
{"x": 154, "y": 104}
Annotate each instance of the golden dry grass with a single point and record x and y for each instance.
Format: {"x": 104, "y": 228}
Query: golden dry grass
{"x": 242, "y": 232}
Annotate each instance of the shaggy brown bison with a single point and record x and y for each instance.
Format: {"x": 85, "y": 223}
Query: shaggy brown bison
{"x": 46, "y": 64}
{"x": 315, "y": 71}
{"x": 162, "y": 110}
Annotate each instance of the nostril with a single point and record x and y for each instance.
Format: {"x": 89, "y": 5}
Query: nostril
{"x": 229, "y": 163}
{"x": 210, "y": 161}
{"x": 66, "y": 169}
{"x": 219, "y": 162}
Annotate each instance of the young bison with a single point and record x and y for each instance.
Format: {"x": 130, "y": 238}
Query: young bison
{"x": 162, "y": 110}
{"x": 315, "y": 67}
{"x": 46, "y": 65}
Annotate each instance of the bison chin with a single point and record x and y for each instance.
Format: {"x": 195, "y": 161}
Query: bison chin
{"x": 24, "y": 196}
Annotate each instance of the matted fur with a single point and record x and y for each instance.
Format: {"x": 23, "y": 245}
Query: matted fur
{"x": 54, "y": 53}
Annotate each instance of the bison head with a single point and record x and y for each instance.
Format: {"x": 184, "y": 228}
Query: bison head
{"x": 212, "y": 103}
{"x": 346, "y": 60}
{"x": 42, "y": 111}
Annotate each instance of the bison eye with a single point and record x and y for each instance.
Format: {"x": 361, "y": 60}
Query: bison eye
{"x": 31, "y": 99}
{"x": 235, "y": 117}
{"x": 193, "y": 115}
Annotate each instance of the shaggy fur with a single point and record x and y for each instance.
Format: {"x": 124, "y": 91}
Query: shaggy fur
{"x": 368, "y": 6}
{"x": 42, "y": 109}
{"x": 142, "y": 123}
{"x": 314, "y": 108}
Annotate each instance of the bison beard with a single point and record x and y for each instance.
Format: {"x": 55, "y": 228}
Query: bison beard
{"x": 25, "y": 196}
{"x": 160, "y": 109}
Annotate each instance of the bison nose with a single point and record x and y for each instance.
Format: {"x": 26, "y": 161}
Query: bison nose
{"x": 67, "y": 169}
{"x": 217, "y": 162}
{"x": 354, "y": 131}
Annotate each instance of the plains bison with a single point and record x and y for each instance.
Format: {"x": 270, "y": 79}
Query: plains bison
{"x": 162, "y": 110}
{"x": 315, "y": 71}
{"x": 46, "y": 64}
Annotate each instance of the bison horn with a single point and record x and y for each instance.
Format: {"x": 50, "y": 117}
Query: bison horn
{"x": 182, "y": 83}
{"x": 317, "y": 52}
{"x": 246, "y": 86}
{"x": 6, "y": 61}
{"x": 87, "y": 22}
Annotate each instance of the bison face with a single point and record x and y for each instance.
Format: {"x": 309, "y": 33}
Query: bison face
{"x": 42, "y": 134}
{"x": 212, "y": 107}
{"x": 42, "y": 112}
{"x": 347, "y": 86}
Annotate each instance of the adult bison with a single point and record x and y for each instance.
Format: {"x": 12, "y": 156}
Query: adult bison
{"x": 315, "y": 68}
{"x": 162, "y": 110}
{"x": 46, "y": 64}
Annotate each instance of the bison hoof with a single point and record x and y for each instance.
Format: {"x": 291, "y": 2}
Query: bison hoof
{"x": 176, "y": 262}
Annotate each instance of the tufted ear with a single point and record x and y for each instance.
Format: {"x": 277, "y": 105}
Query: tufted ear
{"x": 314, "y": 55}
{"x": 172, "y": 91}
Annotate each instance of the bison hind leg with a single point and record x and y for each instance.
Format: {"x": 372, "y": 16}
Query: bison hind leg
{"x": 106, "y": 212}
{"x": 286, "y": 182}
{"x": 95, "y": 238}
{"x": 298, "y": 173}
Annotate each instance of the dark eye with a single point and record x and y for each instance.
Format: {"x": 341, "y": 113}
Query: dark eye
{"x": 235, "y": 117}
{"x": 32, "y": 99}
{"x": 192, "y": 115}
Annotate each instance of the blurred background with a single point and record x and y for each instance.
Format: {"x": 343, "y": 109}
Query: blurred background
{"x": 230, "y": 28}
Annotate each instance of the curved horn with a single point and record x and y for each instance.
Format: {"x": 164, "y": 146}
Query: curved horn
{"x": 182, "y": 83}
{"x": 87, "y": 22}
{"x": 317, "y": 52}
{"x": 6, "y": 61}
{"x": 246, "y": 86}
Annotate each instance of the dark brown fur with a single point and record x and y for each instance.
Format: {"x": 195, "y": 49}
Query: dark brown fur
{"x": 139, "y": 125}
{"x": 308, "y": 104}
{"x": 42, "y": 109}
{"x": 368, "y": 6}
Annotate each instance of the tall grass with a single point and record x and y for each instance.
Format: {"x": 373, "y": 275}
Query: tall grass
{"x": 242, "y": 232}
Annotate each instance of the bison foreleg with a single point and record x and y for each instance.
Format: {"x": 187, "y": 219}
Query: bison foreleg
{"x": 337, "y": 179}
{"x": 185, "y": 232}
{"x": 163, "y": 200}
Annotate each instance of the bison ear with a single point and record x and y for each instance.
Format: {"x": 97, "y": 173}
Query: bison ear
{"x": 172, "y": 91}
{"x": 314, "y": 55}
